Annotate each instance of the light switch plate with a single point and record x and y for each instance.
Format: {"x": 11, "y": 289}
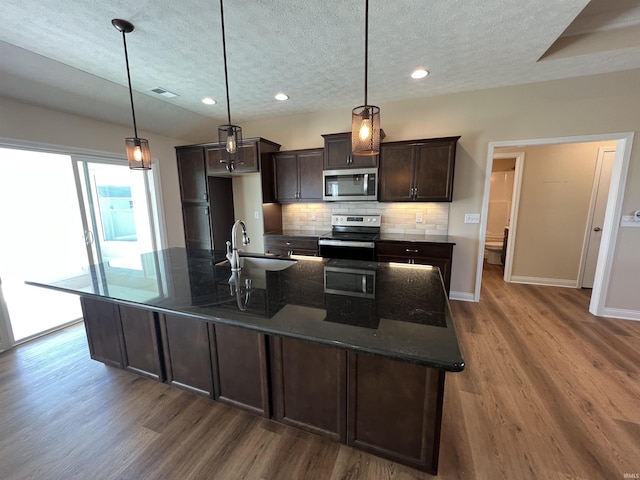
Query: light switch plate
{"x": 471, "y": 218}
{"x": 419, "y": 218}
{"x": 629, "y": 221}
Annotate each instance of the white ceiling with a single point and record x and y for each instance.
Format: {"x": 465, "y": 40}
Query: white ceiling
{"x": 66, "y": 54}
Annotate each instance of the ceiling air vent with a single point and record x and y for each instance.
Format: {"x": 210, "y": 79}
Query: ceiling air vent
{"x": 164, "y": 93}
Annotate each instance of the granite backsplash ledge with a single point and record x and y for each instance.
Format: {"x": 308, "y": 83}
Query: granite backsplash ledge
{"x": 395, "y": 217}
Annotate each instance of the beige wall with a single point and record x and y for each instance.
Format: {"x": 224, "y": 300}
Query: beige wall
{"x": 247, "y": 199}
{"x": 31, "y": 123}
{"x": 589, "y": 105}
{"x": 554, "y": 204}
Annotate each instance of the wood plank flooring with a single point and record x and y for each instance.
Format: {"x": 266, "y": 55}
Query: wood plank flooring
{"x": 549, "y": 392}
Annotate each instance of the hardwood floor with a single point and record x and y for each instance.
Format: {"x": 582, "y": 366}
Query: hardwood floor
{"x": 549, "y": 392}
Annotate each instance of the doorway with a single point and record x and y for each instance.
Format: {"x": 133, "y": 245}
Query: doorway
{"x": 62, "y": 213}
{"x": 623, "y": 143}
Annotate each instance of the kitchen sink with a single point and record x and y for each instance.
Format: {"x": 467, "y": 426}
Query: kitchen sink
{"x": 262, "y": 263}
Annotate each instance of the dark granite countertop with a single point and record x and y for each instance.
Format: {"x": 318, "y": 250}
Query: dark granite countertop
{"x": 411, "y": 237}
{"x": 299, "y": 233}
{"x": 396, "y": 311}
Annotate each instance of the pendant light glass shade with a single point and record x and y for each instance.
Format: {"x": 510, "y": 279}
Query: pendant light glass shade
{"x": 365, "y": 130}
{"x": 229, "y": 135}
{"x": 365, "y": 119}
{"x": 138, "y": 153}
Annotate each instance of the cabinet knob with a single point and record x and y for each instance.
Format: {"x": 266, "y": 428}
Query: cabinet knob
{"x": 288, "y": 244}
{"x": 204, "y": 196}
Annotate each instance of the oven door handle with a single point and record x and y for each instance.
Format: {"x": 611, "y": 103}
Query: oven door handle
{"x": 346, "y": 243}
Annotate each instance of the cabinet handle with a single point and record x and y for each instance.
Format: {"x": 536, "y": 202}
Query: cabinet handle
{"x": 348, "y": 159}
{"x": 409, "y": 250}
{"x": 289, "y": 253}
{"x": 204, "y": 196}
{"x": 288, "y": 244}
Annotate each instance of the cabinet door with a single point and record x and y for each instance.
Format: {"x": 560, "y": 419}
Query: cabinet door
{"x": 310, "y": 175}
{"x": 395, "y": 410}
{"x": 104, "y": 332}
{"x": 248, "y": 158}
{"x": 309, "y": 386}
{"x": 286, "y": 177}
{"x": 396, "y": 173}
{"x": 196, "y": 226}
{"x": 434, "y": 171}
{"x": 192, "y": 174}
{"x": 187, "y": 353}
{"x": 213, "y": 161}
{"x": 141, "y": 342}
{"x": 240, "y": 367}
{"x": 337, "y": 153}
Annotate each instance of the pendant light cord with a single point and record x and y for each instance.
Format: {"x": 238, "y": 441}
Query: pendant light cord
{"x": 224, "y": 53}
{"x": 366, "y": 48}
{"x": 126, "y": 58}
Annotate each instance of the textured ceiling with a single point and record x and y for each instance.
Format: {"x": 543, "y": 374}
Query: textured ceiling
{"x": 66, "y": 54}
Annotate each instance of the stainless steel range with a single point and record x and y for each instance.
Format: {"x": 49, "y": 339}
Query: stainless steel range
{"x": 351, "y": 237}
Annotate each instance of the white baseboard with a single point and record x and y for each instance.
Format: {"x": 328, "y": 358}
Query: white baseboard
{"x": 621, "y": 314}
{"x": 462, "y": 296}
{"x": 550, "y": 282}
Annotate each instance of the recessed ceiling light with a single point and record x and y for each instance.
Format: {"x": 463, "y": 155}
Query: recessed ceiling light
{"x": 208, "y": 101}
{"x": 419, "y": 73}
{"x": 282, "y": 97}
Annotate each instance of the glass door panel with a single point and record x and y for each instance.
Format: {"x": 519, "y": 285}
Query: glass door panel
{"x": 42, "y": 236}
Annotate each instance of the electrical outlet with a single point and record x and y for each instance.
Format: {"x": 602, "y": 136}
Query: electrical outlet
{"x": 313, "y": 217}
{"x": 629, "y": 221}
{"x": 471, "y": 218}
{"x": 419, "y": 217}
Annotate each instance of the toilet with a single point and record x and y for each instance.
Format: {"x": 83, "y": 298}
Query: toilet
{"x": 493, "y": 252}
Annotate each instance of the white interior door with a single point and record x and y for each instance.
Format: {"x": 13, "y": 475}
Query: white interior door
{"x": 599, "y": 198}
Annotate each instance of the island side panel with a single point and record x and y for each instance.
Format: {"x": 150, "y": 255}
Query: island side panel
{"x": 239, "y": 359}
{"x": 104, "y": 331}
{"x": 395, "y": 410}
{"x": 142, "y": 352}
{"x": 309, "y": 386}
{"x": 187, "y": 353}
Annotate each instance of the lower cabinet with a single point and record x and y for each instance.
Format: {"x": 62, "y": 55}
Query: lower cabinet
{"x": 395, "y": 410}
{"x": 142, "y": 352}
{"x": 390, "y": 408}
{"x": 423, "y": 253}
{"x": 309, "y": 386}
{"x": 104, "y": 331}
{"x": 240, "y": 368}
{"x": 187, "y": 354}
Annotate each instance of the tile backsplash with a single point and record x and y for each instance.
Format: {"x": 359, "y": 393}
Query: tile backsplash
{"x": 395, "y": 217}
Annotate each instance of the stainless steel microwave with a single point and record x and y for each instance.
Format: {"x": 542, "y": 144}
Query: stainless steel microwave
{"x": 350, "y": 185}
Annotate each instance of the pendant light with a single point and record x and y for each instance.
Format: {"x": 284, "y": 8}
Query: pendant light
{"x": 138, "y": 153}
{"x": 229, "y": 135}
{"x": 365, "y": 119}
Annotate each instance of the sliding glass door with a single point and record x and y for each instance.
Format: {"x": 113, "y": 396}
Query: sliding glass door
{"x": 59, "y": 213}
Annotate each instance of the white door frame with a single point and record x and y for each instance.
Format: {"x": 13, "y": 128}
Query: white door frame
{"x": 513, "y": 215}
{"x": 612, "y": 216}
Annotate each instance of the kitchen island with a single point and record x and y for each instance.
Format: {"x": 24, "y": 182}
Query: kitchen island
{"x": 354, "y": 351}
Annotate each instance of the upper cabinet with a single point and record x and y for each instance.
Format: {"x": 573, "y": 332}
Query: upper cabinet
{"x": 298, "y": 176}
{"x": 337, "y": 153}
{"x": 192, "y": 174}
{"x": 417, "y": 170}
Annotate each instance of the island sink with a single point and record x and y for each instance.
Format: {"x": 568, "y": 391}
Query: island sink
{"x": 262, "y": 263}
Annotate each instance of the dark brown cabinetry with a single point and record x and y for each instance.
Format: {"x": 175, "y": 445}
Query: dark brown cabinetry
{"x": 417, "y": 170}
{"x": 141, "y": 342}
{"x": 309, "y": 386}
{"x": 187, "y": 353}
{"x": 240, "y": 368}
{"x": 436, "y": 254}
{"x": 207, "y": 202}
{"x": 104, "y": 332}
{"x": 337, "y": 153}
{"x": 286, "y": 245}
{"x": 298, "y": 175}
{"x": 248, "y": 159}
{"x": 392, "y": 406}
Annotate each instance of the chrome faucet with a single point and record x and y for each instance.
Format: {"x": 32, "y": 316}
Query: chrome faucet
{"x": 232, "y": 247}
{"x": 235, "y": 288}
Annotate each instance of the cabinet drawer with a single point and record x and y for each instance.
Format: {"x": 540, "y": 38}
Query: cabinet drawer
{"x": 412, "y": 249}
{"x": 296, "y": 244}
